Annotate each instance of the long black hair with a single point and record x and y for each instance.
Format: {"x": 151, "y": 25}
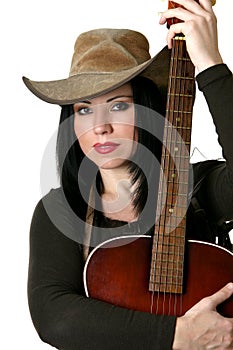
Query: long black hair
{"x": 149, "y": 107}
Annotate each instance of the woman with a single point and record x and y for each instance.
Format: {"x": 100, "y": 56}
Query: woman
{"x": 108, "y": 108}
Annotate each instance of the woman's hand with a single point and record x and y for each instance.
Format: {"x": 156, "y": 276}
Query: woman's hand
{"x": 200, "y": 29}
{"x": 202, "y": 327}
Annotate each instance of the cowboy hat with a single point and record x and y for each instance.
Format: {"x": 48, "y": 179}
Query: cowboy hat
{"x": 103, "y": 60}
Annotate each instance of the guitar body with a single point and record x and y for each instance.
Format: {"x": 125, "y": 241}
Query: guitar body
{"x": 118, "y": 272}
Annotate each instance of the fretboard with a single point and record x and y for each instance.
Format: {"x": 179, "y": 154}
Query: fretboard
{"x": 167, "y": 263}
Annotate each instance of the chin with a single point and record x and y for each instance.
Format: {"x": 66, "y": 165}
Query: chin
{"x": 115, "y": 164}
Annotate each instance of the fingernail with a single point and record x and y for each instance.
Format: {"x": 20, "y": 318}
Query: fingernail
{"x": 230, "y": 286}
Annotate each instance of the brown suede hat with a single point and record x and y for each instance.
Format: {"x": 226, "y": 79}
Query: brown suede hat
{"x": 103, "y": 60}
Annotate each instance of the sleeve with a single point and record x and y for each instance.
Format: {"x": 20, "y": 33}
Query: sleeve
{"x": 64, "y": 317}
{"x": 217, "y": 191}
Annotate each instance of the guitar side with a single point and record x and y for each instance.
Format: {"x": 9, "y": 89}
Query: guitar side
{"x": 118, "y": 272}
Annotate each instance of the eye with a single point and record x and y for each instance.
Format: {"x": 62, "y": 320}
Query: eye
{"x": 120, "y": 106}
{"x": 84, "y": 111}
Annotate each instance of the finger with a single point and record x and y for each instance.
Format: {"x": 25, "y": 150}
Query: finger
{"x": 178, "y": 12}
{"x": 194, "y": 5}
{"x": 174, "y": 29}
{"x": 223, "y": 294}
{"x": 211, "y": 302}
{"x": 207, "y": 4}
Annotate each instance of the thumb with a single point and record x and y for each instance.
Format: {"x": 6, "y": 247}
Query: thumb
{"x": 221, "y": 295}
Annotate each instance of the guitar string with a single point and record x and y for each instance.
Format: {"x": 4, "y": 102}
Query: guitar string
{"x": 188, "y": 131}
{"x": 186, "y": 135}
{"x": 167, "y": 167}
{"x": 180, "y": 108}
{"x": 170, "y": 245}
{"x": 156, "y": 275}
{"x": 183, "y": 131}
{"x": 167, "y": 162}
{"x": 179, "y": 233}
{"x": 190, "y": 120}
{"x": 171, "y": 169}
{"x": 175, "y": 161}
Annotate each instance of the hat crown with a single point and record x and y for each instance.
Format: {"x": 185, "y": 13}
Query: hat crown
{"x": 109, "y": 50}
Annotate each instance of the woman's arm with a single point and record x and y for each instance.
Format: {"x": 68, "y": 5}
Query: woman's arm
{"x": 216, "y": 83}
{"x": 61, "y": 313}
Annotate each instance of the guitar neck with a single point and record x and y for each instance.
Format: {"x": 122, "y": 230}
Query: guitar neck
{"x": 167, "y": 261}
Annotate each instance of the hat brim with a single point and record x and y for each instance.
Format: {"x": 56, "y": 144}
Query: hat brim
{"x": 88, "y": 85}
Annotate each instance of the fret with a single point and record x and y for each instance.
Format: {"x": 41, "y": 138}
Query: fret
{"x": 170, "y": 249}
{"x": 182, "y": 77}
{"x": 164, "y": 257}
{"x": 178, "y": 127}
{"x": 172, "y": 238}
{"x": 168, "y": 236}
{"x": 178, "y": 194}
{"x": 175, "y": 142}
{"x": 163, "y": 283}
{"x": 174, "y": 267}
{"x": 166, "y": 264}
{"x": 172, "y": 244}
{"x": 176, "y": 201}
{"x": 170, "y": 226}
{"x": 180, "y": 95}
{"x": 177, "y": 231}
{"x": 172, "y": 156}
{"x": 174, "y": 180}
{"x": 171, "y": 171}
{"x": 179, "y": 111}
{"x": 182, "y": 59}
{"x": 167, "y": 278}
{"x": 173, "y": 200}
{"x": 174, "y": 271}
{"x": 175, "y": 246}
{"x": 166, "y": 288}
{"x": 174, "y": 173}
{"x": 177, "y": 183}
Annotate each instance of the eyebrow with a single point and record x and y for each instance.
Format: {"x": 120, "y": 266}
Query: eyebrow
{"x": 115, "y": 97}
{"x": 109, "y": 100}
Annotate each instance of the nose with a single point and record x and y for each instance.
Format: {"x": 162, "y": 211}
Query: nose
{"x": 101, "y": 129}
{"x": 102, "y": 124}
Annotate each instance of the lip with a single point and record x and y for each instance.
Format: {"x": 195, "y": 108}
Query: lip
{"x": 106, "y": 147}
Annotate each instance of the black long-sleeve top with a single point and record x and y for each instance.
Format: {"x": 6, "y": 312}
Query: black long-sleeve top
{"x": 63, "y": 316}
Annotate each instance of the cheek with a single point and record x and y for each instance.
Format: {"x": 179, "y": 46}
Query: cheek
{"x": 82, "y": 127}
{"x": 84, "y": 142}
{"x": 82, "y": 137}
{"x": 130, "y": 133}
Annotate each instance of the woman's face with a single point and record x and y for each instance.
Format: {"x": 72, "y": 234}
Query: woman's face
{"x": 105, "y": 128}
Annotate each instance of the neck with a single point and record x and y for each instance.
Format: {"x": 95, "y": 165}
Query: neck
{"x": 117, "y": 195}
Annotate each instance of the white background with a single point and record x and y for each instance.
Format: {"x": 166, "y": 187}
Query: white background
{"x": 37, "y": 40}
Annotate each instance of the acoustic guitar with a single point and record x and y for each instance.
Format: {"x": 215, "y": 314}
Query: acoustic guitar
{"x": 164, "y": 274}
